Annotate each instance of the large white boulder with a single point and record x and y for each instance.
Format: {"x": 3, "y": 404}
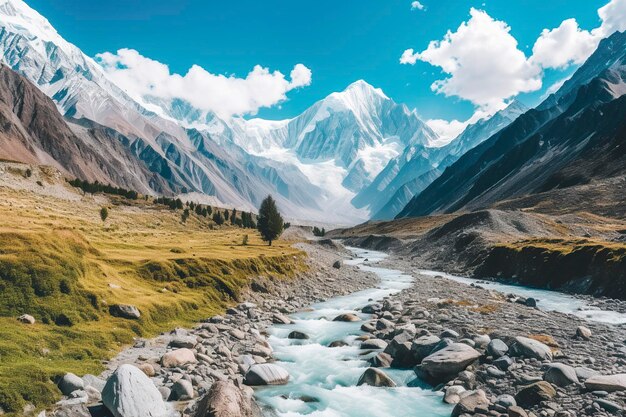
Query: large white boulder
{"x": 130, "y": 393}
{"x": 178, "y": 357}
{"x": 449, "y": 361}
{"x": 606, "y": 383}
{"x": 531, "y": 348}
{"x": 266, "y": 374}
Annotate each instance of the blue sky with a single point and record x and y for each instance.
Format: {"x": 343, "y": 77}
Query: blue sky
{"x": 339, "y": 41}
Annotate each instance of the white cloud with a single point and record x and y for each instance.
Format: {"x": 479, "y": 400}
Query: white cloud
{"x": 613, "y": 17}
{"x": 560, "y": 47}
{"x": 225, "y": 95}
{"x": 569, "y": 44}
{"x": 446, "y": 130}
{"x": 416, "y": 5}
{"x": 483, "y": 62}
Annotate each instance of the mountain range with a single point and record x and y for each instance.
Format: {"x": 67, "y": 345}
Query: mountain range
{"x": 567, "y": 153}
{"x": 352, "y": 155}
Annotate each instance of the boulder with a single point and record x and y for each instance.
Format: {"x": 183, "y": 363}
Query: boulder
{"x": 178, "y": 357}
{"x": 297, "y": 335}
{"x": 70, "y": 383}
{"x": 183, "y": 342}
{"x": 337, "y": 264}
{"x": 376, "y": 378}
{"x": 348, "y": 317}
{"x": 453, "y": 394}
{"x": 469, "y": 402}
{"x": 130, "y": 393}
{"x": 531, "y": 302}
{"x": 182, "y": 390}
{"x": 266, "y": 374}
{"x": 449, "y": 361}
{"x": 531, "y": 395}
{"x": 26, "y": 319}
{"x": 506, "y": 401}
{"x": 497, "y": 348}
{"x": 384, "y": 324}
{"x": 337, "y": 343}
{"x": 382, "y": 360}
{"x": 224, "y": 399}
{"x": 560, "y": 375}
{"x": 531, "y": 348}
{"x": 125, "y": 311}
{"x": 147, "y": 369}
{"x": 372, "y": 308}
{"x": 516, "y": 411}
{"x": 609, "y": 383}
{"x": 423, "y": 346}
{"x": 280, "y": 319}
{"x": 583, "y": 332}
{"x": 503, "y": 362}
{"x": 585, "y": 373}
{"x": 374, "y": 344}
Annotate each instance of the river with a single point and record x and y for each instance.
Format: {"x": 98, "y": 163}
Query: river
{"x": 323, "y": 379}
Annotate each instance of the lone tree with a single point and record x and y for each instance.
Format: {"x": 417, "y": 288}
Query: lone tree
{"x": 104, "y": 213}
{"x": 269, "y": 222}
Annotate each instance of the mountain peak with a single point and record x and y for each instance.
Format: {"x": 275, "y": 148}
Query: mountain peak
{"x": 363, "y": 89}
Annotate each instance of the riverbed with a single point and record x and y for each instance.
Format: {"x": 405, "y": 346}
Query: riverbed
{"x": 323, "y": 379}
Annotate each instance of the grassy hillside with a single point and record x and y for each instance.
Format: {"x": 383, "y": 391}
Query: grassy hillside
{"x": 61, "y": 264}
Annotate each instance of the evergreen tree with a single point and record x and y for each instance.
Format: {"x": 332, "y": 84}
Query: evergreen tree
{"x": 226, "y": 215}
{"x": 218, "y": 218}
{"x": 233, "y": 216}
{"x": 270, "y": 222}
{"x": 209, "y": 210}
{"x": 185, "y": 215}
{"x": 104, "y": 213}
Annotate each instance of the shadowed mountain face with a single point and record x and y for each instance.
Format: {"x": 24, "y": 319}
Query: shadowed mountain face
{"x": 33, "y": 131}
{"x": 546, "y": 149}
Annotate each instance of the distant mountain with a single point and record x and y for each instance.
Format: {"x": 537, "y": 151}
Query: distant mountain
{"x": 574, "y": 138}
{"x": 419, "y": 165}
{"x": 33, "y": 131}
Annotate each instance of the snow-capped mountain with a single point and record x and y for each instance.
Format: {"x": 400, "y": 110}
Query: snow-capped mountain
{"x": 408, "y": 174}
{"x": 345, "y": 158}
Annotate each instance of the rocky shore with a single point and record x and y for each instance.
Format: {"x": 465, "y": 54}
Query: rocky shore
{"x": 493, "y": 354}
{"x": 208, "y": 370}
{"x": 488, "y": 353}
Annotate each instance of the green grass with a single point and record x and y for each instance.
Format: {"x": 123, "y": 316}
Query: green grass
{"x": 59, "y": 263}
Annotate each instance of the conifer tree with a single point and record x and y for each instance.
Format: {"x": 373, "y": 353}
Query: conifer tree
{"x": 270, "y": 222}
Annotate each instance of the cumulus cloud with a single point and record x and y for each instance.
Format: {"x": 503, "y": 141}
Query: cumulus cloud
{"x": 416, "y": 5}
{"x": 224, "y": 95}
{"x": 483, "y": 61}
{"x": 446, "y": 130}
{"x": 560, "y": 47}
{"x": 569, "y": 44}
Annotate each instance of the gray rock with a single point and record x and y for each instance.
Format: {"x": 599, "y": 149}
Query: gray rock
{"x": 376, "y": 378}
{"x": 583, "y": 332}
{"x": 372, "y": 308}
{"x": 183, "y": 342}
{"x": 449, "y": 361}
{"x": 516, "y": 411}
{"x": 481, "y": 340}
{"x": 449, "y": 334}
{"x": 453, "y": 394}
{"x": 348, "y": 317}
{"x": 585, "y": 373}
{"x": 125, "y": 311}
{"x": 280, "y": 319}
{"x": 70, "y": 383}
{"x": 503, "y": 363}
{"x": 182, "y": 390}
{"x": 374, "y": 344}
{"x": 297, "y": 335}
{"x": 26, "y": 319}
{"x": 381, "y": 360}
{"x": 608, "y": 383}
{"x": 531, "y": 348}
{"x": 560, "y": 375}
{"x": 178, "y": 357}
{"x": 531, "y": 302}
{"x": 469, "y": 402}
{"x": 506, "y": 401}
{"x": 423, "y": 347}
{"x": 337, "y": 264}
{"x": 609, "y": 406}
{"x": 130, "y": 393}
{"x": 266, "y": 374}
{"x": 497, "y": 348}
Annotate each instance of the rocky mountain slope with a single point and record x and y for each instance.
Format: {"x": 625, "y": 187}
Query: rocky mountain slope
{"x": 546, "y": 149}
{"x": 354, "y": 141}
